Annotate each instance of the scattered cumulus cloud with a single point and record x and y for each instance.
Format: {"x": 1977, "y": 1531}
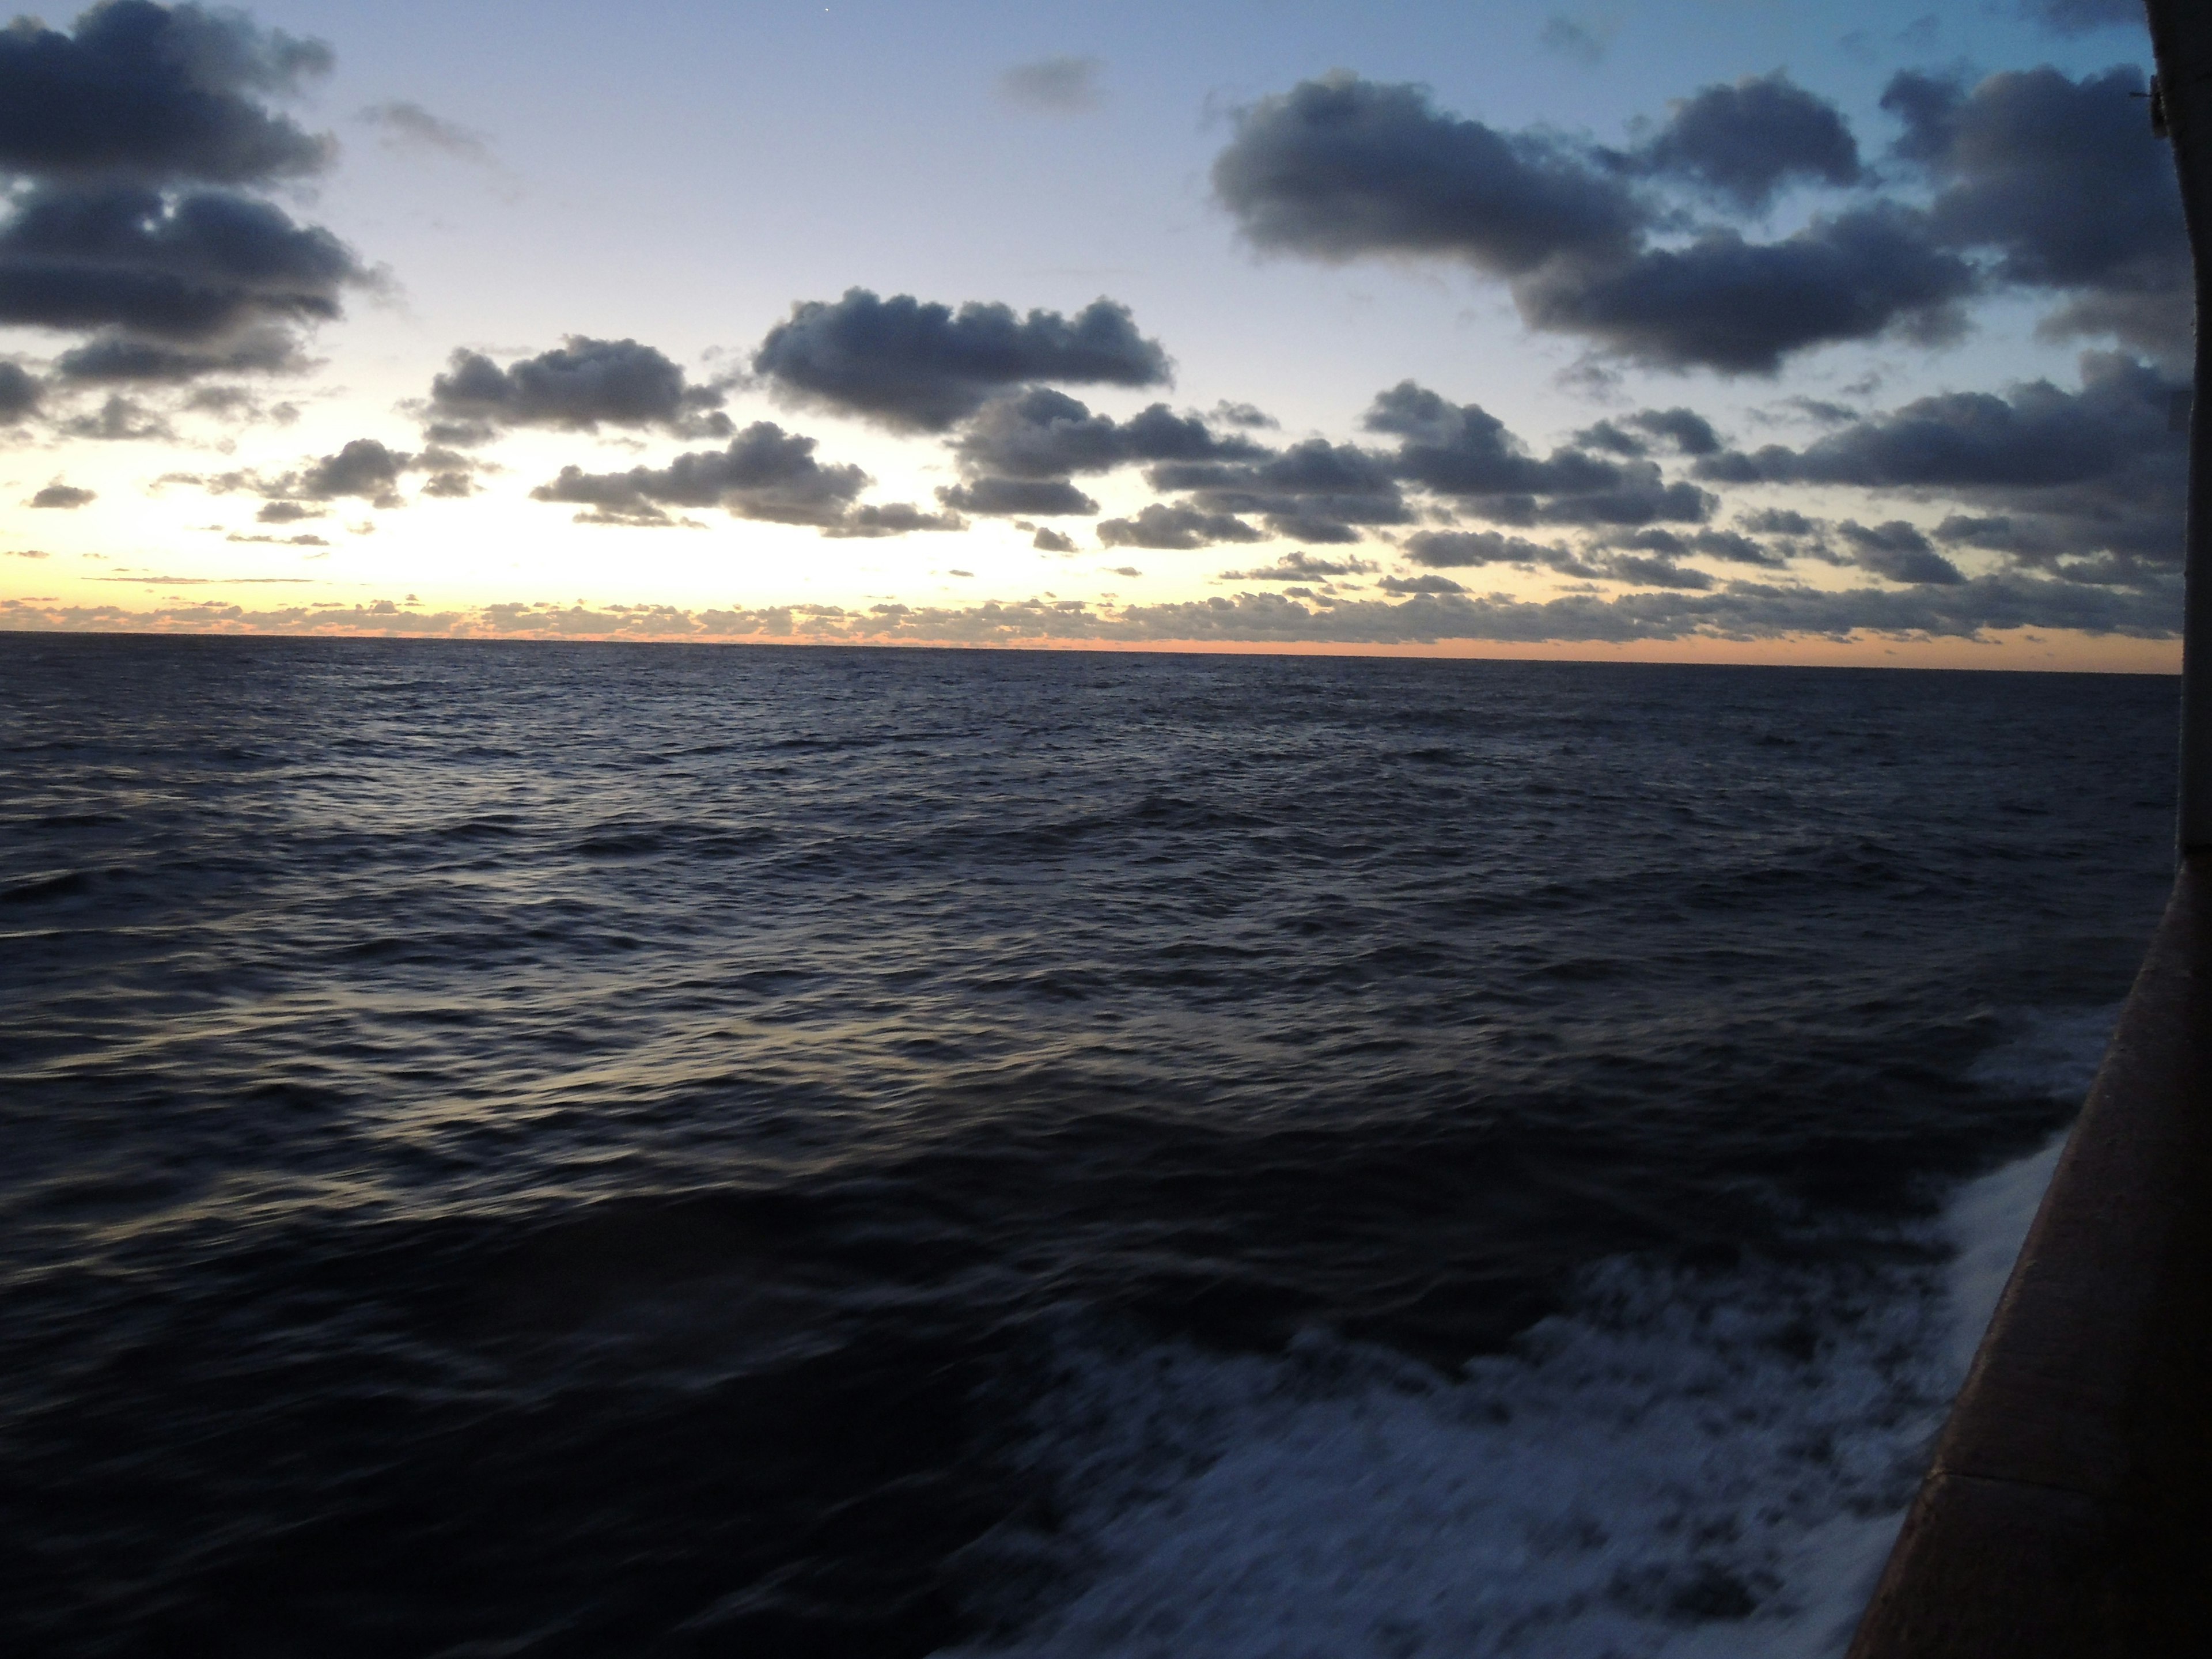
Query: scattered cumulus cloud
{"x": 924, "y": 367}
{"x": 132, "y": 143}
{"x": 578, "y": 387}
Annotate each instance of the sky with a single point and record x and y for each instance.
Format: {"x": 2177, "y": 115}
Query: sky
{"x": 1716, "y": 330}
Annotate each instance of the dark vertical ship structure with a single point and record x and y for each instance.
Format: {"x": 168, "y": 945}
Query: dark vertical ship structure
{"x": 2068, "y": 1511}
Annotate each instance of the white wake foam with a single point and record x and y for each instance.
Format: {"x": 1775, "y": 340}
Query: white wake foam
{"x": 1685, "y": 1466}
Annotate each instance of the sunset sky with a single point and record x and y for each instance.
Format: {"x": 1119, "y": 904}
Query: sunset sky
{"x": 1719, "y": 328}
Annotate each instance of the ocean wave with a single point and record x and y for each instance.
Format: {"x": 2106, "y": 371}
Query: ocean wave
{"x": 1682, "y": 1465}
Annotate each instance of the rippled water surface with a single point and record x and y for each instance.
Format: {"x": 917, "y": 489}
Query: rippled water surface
{"x": 590, "y": 1150}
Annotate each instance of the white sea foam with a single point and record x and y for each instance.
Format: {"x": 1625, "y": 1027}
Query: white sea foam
{"x": 1687, "y": 1466}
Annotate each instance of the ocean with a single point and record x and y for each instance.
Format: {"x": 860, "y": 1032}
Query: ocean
{"x": 530, "y": 1149}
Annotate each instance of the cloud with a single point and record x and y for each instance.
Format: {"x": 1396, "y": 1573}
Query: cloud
{"x": 2065, "y": 182}
{"x": 1246, "y": 416}
{"x": 1744, "y": 142}
{"x": 2100, "y": 469}
{"x": 119, "y": 420}
{"x": 261, "y": 348}
{"x": 408, "y": 126}
{"x": 1404, "y": 584}
{"x": 1570, "y": 38}
{"x": 1301, "y": 567}
{"x": 577, "y": 387}
{"x": 1734, "y": 611}
{"x": 191, "y": 269}
{"x": 1655, "y": 572}
{"x": 1175, "y": 528}
{"x": 926, "y": 366}
{"x": 19, "y": 392}
{"x": 1780, "y": 521}
{"x": 1048, "y": 540}
{"x": 2080, "y": 16}
{"x": 1463, "y": 452}
{"x": 1728, "y": 546}
{"x": 62, "y": 495}
{"x": 1313, "y": 490}
{"x": 1340, "y": 166}
{"x": 893, "y": 518}
{"x": 1455, "y": 550}
{"x": 1059, "y": 86}
{"x": 155, "y": 93}
{"x": 282, "y": 512}
{"x": 363, "y": 468}
{"x": 1739, "y": 307}
{"x": 1040, "y": 498}
{"x": 1899, "y": 551}
{"x": 129, "y": 142}
{"x": 1044, "y": 434}
{"x": 765, "y": 474}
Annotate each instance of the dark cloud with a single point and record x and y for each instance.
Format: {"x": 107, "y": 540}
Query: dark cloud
{"x": 1048, "y": 540}
{"x": 2035, "y": 436}
{"x": 363, "y": 468}
{"x": 2039, "y": 181}
{"x": 1175, "y": 528}
{"x": 193, "y": 269}
{"x": 1643, "y": 572}
{"x": 1044, "y": 434}
{"x": 62, "y": 495}
{"x": 1042, "y": 498}
{"x": 1687, "y": 430}
{"x": 2080, "y": 16}
{"x": 1779, "y": 521}
{"x": 1739, "y": 307}
{"x": 2065, "y": 182}
{"x": 287, "y": 512}
{"x": 113, "y": 358}
{"x": 927, "y": 367}
{"x": 1464, "y": 452}
{"x": 766, "y": 474}
{"x": 156, "y": 93}
{"x": 576, "y": 387}
{"x": 893, "y": 518}
{"x": 120, "y": 419}
{"x": 1245, "y": 416}
{"x": 1062, "y": 86}
{"x": 1339, "y": 167}
{"x": 1899, "y": 551}
{"x": 1728, "y": 546}
{"x": 1301, "y": 567}
{"x": 1314, "y": 491}
{"x": 1403, "y": 584}
{"x": 19, "y": 392}
{"x": 1456, "y": 549}
{"x": 2097, "y": 470}
{"x": 1744, "y": 142}
{"x": 127, "y": 140}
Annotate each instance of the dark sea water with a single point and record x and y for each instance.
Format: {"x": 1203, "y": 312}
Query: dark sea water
{"x": 543, "y": 1150}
